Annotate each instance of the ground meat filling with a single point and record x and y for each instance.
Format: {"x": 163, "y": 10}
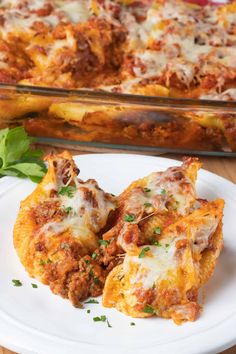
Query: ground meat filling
{"x": 48, "y": 211}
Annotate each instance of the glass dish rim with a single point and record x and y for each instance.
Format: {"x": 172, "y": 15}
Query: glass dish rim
{"x": 112, "y": 98}
{"x": 130, "y": 149}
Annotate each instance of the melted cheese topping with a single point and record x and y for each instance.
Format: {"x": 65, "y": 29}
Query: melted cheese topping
{"x": 192, "y": 42}
{"x": 158, "y": 264}
{"x": 170, "y": 42}
{"x": 171, "y": 190}
{"x": 19, "y": 16}
{"x": 77, "y": 11}
{"x": 86, "y": 215}
{"x": 185, "y": 41}
{"x": 227, "y": 95}
{"x": 179, "y": 191}
{"x": 163, "y": 261}
{"x": 94, "y": 215}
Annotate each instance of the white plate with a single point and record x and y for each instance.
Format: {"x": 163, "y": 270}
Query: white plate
{"x": 35, "y": 320}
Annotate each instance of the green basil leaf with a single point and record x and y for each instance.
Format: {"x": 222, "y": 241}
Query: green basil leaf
{"x": 33, "y": 153}
{"x": 13, "y": 145}
{"x": 28, "y": 169}
{"x": 35, "y": 179}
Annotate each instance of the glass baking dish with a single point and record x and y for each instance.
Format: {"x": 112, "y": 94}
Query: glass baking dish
{"x": 97, "y": 120}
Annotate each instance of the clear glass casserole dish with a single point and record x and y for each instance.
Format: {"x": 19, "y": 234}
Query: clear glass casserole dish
{"x": 94, "y": 119}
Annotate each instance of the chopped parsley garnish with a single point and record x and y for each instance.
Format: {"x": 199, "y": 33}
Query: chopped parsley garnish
{"x": 68, "y": 191}
{"x": 68, "y": 209}
{"x": 163, "y": 191}
{"x": 148, "y": 309}
{"x": 94, "y": 255}
{"x": 42, "y": 262}
{"x": 16, "y": 282}
{"x": 88, "y": 311}
{"x": 92, "y": 301}
{"x": 156, "y": 243}
{"x": 103, "y": 242}
{"x": 147, "y": 204}
{"x": 34, "y": 285}
{"x": 143, "y": 252}
{"x": 96, "y": 280}
{"x": 91, "y": 273}
{"x": 157, "y": 230}
{"x": 108, "y": 324}
{"x": 147, "y": 190}
{"x": 129, "y": 218}
{"x": 132, "y": 324}
{"x": 97, "y": 319}
{"x": 100, "y": 319}
{"x": 153, "y": 286}
{"x": 167, "y": 245}
{"x": 87, "y": 261}
{"x": 65, "y": 246}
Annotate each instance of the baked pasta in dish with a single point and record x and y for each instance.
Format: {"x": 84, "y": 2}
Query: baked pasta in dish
{"x": 152, "y": 48}
{"x": 148, "y": 251}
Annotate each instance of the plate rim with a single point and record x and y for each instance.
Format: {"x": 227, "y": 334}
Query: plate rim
{"x": 229, "y": 335}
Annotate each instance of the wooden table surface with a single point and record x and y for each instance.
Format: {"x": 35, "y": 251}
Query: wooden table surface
{"x": 225, "y": 167}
